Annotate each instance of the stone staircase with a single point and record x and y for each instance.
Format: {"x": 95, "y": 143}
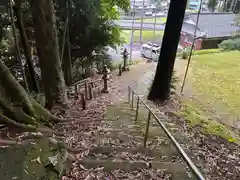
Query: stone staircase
{"x": 120, "y": 147}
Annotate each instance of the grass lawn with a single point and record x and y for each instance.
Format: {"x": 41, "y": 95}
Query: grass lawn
{"x": 147, "y": 35}
{"x": 215, "y": 90}
{"x": 152, "y": 19}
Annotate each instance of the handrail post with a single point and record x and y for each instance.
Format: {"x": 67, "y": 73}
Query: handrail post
{"x": 132, "y": 98}
{"x": 129, "y": 94}
{"x": 147, "y": 128}
{"x": 136, "y": 117}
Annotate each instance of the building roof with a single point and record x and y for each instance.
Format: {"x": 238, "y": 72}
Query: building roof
{"x": 211, "y": 24}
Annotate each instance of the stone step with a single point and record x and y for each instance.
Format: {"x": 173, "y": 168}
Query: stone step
{"x": 164, "y": 153}
{"x": 153, "y": 131}
{"x": 124, "y": 137}
{"x": 178, "y": 171}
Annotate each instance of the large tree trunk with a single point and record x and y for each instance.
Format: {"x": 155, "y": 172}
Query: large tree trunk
{"x": 224, "y": 6}
{"x": 67, "y": 61}
{"x": 160, "y": 89}
{"x": 17, "y": 105}
{"x": 18, "y": 55}
{"x": 26, "y": 47}
{"x": 232, "y": 5}
{"x": 48, "y": 51}
{"x": 66, "y": 49}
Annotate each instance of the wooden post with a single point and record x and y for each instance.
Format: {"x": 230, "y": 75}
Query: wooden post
{"x": 132, "y": 98}
{"x": 68, "y": 93}
{"x": 83, "y": 101}
{"x": 90, "y": 91}
{"x": 94, "y": 92}
{"x": 147, "y": 128}
{"x": 76, "y": 89}
{"x": 136, "y": 117}
{"x": 120, "y": 70}
{"x": 105, "y": 78}
{"x": 129, "y": 94}
{"x": 86, "y": 90}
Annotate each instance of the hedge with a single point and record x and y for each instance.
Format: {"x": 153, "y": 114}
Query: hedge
{"x": 206, "y": 51}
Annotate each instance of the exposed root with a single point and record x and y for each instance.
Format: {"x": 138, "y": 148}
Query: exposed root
{"x": 68, "y": 156}
{"x": 46, "y": 115}
{"x": 53, "y": 141}
{"x": 28, "y": 128}
{"x": 8, "y": 142}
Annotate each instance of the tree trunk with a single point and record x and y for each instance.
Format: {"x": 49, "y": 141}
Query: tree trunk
{"x": 66, "y": 50}
{"x": 160, "y": 89}
{"x": 48, "y": 51}
{"x": 18, "y": 55}
{"x": 67, "y": 62}
{"x": 232, "y": 5}
{"x": 224, "y": 8}
{"x": 26, "y": 47}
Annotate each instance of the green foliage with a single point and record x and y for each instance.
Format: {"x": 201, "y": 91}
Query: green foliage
{"x": 206, "y": 51}
{"x": 175, "y": 80}
{"x": 196, "y": 116}
{"x": 230, "y": 44}
{"x": 91, "y": 25}
{"x": 185, "y": 53}
{"x": 212, "y": 5}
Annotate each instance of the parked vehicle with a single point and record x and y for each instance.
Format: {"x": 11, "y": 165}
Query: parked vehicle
{"x": 150, "y": 51}
{"x": 158, "y": 14}
{"x": 148, "y": 13}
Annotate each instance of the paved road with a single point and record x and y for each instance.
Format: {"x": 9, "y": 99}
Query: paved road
{"x": 117, "y": 56}
{"x": 127, "y": 24}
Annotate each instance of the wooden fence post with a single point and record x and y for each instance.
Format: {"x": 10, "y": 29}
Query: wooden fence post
{"x": 90, "y": 91}
{"x": 86, "y": 90}
{"x": 132, "y": 98}
{"x": 76, "y": 89}
{"x": 83, "y": 101}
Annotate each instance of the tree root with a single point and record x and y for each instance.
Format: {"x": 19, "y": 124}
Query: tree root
{"x": 53, "y": 141}
{"x": 28, "y": 128}
{"x": 45, "y": 114}
{"x": 16, "y": 113}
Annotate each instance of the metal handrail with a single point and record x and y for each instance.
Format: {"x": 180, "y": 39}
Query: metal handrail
{"x": 189, "y": 162}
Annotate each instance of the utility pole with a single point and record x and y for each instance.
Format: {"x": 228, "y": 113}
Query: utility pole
{"x": 192, "y": 47}
{"x": 143, "y": 14}
{"x": 154, "y": 30}
{"x": 160, "y": 90}
{"x": 132, "y": 33}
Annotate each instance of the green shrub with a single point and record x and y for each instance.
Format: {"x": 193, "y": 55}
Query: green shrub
{"x": 230, "y": 44}
{"x": 175, "y": 80}
{"x": 206, "y": 51}
{"x": 185, "y": 53}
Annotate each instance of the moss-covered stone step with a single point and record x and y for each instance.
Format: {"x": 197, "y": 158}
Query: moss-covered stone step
{"x": 33, "y": 160}
{"x": 177, "y": 170}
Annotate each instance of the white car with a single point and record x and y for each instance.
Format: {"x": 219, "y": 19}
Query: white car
{"x": 148, "y": 13}
{"x": 159, "y": 14}
{"x": 150, "y": 51}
